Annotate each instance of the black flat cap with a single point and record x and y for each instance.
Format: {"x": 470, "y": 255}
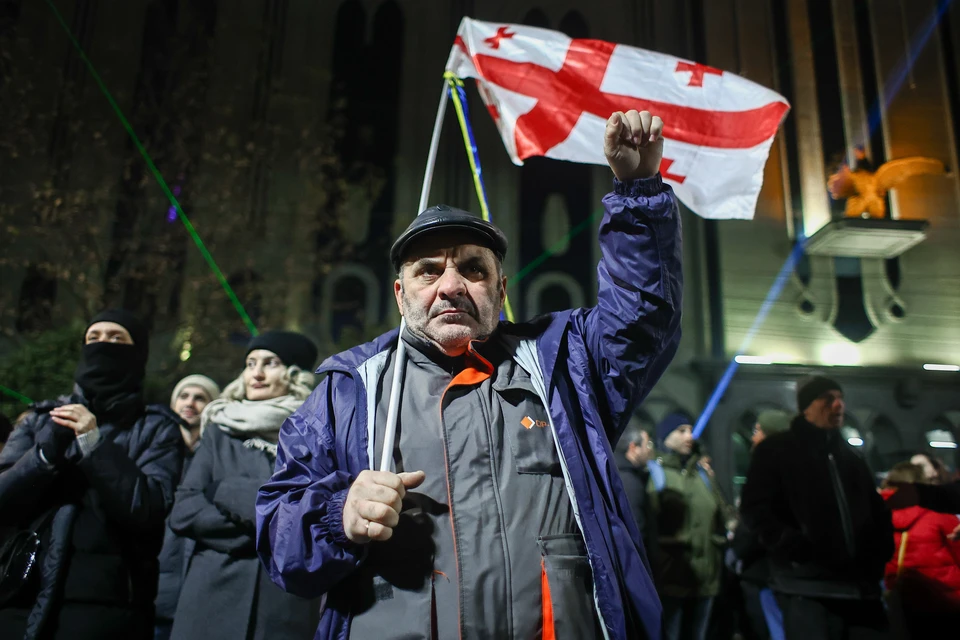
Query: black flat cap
{"x": 443, "y": 218}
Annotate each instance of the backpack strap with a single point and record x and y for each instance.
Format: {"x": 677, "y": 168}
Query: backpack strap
{"x": 657, "y": 474}
{"x": 902, "y": 552}
{"x": 705, "y": 477}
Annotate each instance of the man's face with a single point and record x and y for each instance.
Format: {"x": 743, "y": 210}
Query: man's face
{"x": 107, "y": 332}
{"x": 758, "y": 435}
{"x": 450, "y": 291}
{"x": 640, "y": 452}
{"x": 826, "y": 412}
{"x": 189, "y": 405}
{"x": 680, "y": 440}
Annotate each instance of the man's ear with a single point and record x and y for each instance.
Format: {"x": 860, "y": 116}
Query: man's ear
{"x": 398, "y": 294}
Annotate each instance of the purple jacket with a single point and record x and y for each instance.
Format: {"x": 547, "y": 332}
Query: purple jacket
{"x": 590, "y": 366}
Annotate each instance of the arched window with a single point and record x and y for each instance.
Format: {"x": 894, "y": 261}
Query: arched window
{"x": 365, "y": 107}
{"x": 536, "y": 18}
{"x": 574, "y": 25}
{"x": 940, "y": 440}
{"x": 884, "y": 444}
{"x": 350, "y": 302}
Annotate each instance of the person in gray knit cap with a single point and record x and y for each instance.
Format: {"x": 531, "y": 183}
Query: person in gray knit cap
{"x": 769, "y": 422}
{"x": 189, "y": 398}
{"x": 811, "y": 500}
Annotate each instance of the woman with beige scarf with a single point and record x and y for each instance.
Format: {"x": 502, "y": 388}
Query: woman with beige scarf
{"x": 226, "y": 593}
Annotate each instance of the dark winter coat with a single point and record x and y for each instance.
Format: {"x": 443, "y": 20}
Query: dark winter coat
{"x": 751, "y": 562}
{"x": 635, "y": 489}
{"x": 812, "y": 501}
{"x": 99, "y": 552}
{"x": 174, "y": 555}
{"x": 226, "y": 594}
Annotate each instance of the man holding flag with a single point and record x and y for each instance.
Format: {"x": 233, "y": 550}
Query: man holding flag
{"x": 505, "y": 516}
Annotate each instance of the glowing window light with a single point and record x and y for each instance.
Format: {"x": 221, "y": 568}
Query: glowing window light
{"x": 941, "y": 367}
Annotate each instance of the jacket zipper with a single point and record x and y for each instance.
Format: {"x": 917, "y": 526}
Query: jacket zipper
{"x": 495, "y": 474}
{"x": 846, "y": 522}
{"x": 532, "y": 366}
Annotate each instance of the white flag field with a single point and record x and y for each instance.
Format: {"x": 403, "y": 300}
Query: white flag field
{"x": 550, "y": 95}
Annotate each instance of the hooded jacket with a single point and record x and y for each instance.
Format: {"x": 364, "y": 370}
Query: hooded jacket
{"x": 590, "y": 368}
{"x": 929, "y": 574}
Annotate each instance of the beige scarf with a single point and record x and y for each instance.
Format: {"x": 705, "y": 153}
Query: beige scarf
{"x": 256, "y": 421}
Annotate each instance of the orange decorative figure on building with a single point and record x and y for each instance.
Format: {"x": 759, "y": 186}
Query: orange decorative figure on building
{"x": 865, "y": 190}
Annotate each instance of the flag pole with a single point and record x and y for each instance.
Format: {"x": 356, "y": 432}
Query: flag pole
{"x": 389, "y": 437}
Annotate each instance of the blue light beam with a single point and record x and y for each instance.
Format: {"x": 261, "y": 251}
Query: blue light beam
{"x": 772, "y": 295}
{"x": 904, "y": 67}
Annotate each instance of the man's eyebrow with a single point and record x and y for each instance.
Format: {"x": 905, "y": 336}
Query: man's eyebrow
{"x": 422, "y": 262}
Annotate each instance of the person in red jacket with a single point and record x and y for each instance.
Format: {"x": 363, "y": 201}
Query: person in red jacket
{"x": 925, "y": 567}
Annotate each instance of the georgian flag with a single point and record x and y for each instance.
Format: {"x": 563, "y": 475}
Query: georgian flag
{"x": 551, "y": 95}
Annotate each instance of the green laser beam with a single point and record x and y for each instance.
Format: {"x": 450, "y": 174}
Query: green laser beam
{"x": 156, "y": 174}
{"x": 551, "y": 250}
{"x": 14, "y": 394}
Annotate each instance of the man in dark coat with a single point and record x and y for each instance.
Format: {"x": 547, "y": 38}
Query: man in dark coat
{"x": 103, "y": 467}
{"x": 748, "y": 556}
{"x": 633, "y": 452}
{"x": 812, "y": 501}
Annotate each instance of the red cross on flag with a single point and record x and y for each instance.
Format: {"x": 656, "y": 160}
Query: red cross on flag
{"x": 551, "y": 95}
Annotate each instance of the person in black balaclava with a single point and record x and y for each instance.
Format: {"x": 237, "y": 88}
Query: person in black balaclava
{"x": 93, "y": 475}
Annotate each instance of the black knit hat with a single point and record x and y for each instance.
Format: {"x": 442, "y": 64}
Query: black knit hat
{"x": 126, "y": 319}
{"x": 440, "y": 218}
{"x": 292, "y": 348}
{"x": 812, "y": 388}
{"x": 671, "y": 423}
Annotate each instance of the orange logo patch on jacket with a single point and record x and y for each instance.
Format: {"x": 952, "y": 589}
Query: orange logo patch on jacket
{"x": 530, "y": 423}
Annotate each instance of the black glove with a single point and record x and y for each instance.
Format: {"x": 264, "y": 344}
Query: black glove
{"x": 54, "y": 440}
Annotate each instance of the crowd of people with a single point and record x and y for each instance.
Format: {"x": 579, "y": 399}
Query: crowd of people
{"x": 518, "y": 497}
{"x": 93, "y": 476}
{"x": 815, "y": 549}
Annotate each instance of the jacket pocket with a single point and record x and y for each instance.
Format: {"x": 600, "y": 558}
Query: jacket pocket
{"x": 527, "y": 427}
{"x": 566, "y": 584}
